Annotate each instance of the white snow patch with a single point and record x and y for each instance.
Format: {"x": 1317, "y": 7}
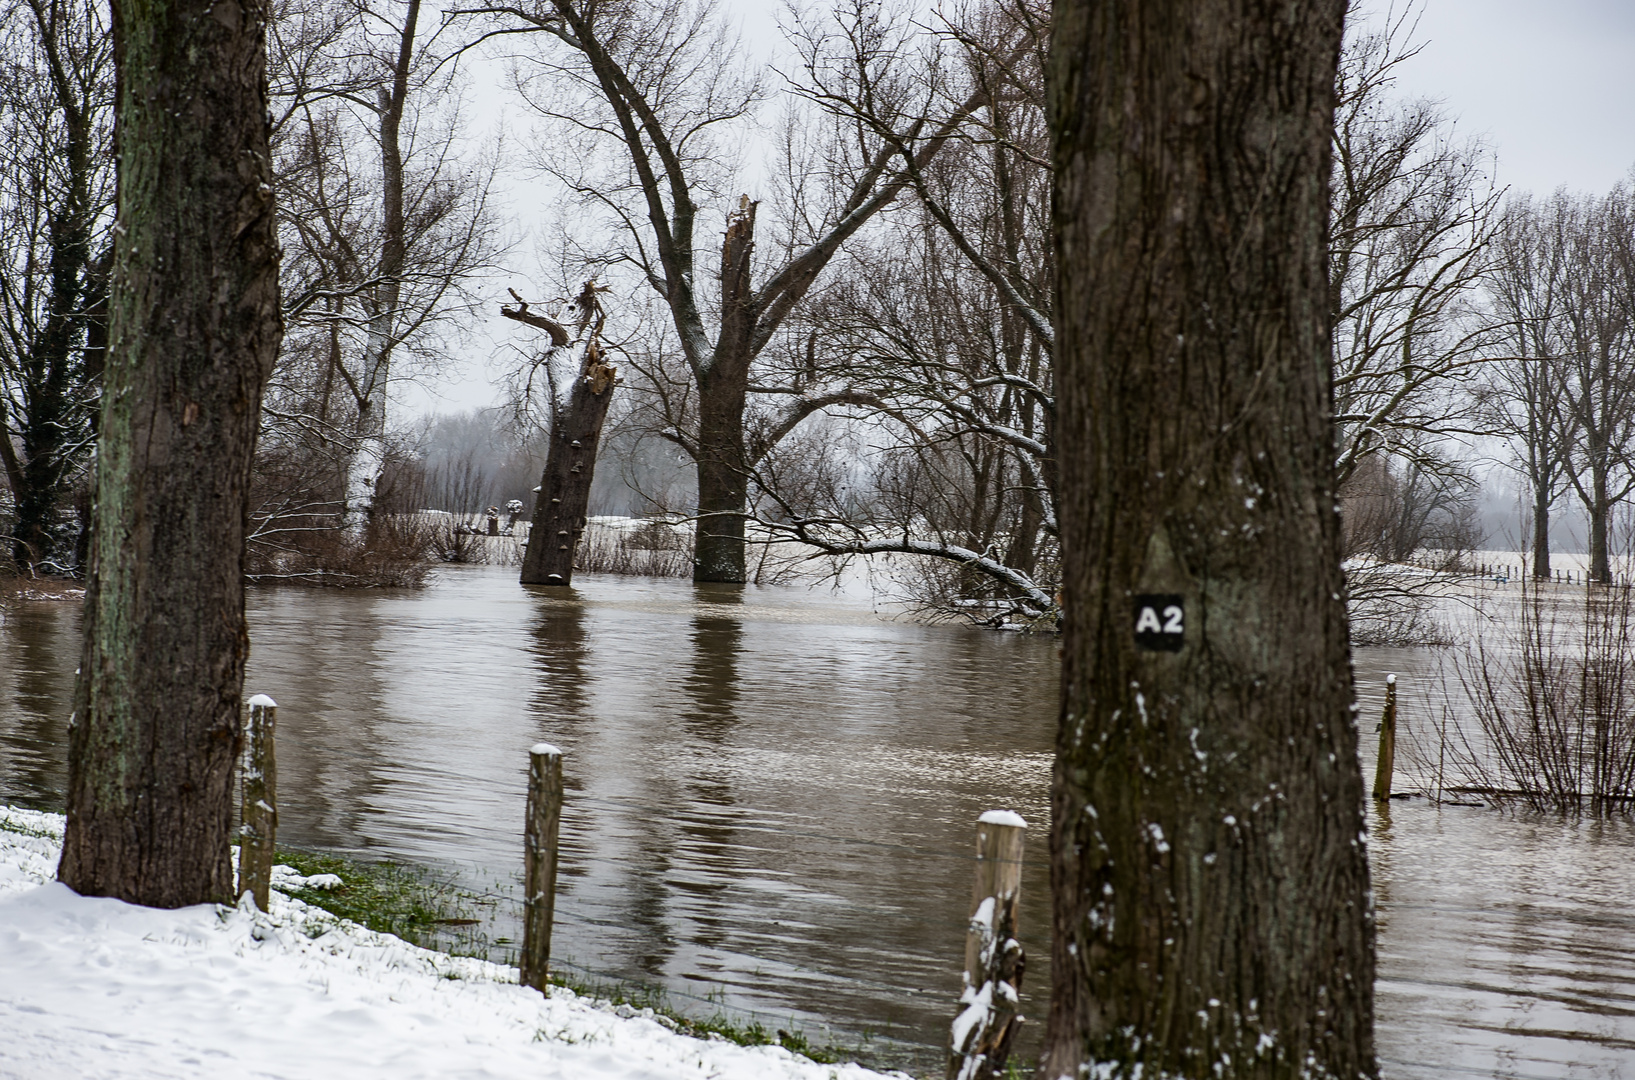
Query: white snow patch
{"x": 1157, "y": 833}
{"x": 544, "y": 748}
{"x": 262, "y": 701}
{"x": 98, "y": 987}
{"x": 977, "y": 1012}
{"x": 1003, "y": 817}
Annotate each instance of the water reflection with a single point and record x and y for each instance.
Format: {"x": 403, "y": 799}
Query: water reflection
{"x": 717, "y": 639}
{"x": 39, "y": 643}
{"x": 559, "y": 648}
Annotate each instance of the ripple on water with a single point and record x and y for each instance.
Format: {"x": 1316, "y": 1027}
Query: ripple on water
{"x": 771, "y": 798}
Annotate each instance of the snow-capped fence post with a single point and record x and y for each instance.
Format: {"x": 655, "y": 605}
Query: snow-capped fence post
{"x": 1387, "y": 760}
{"x": 544, "y": 821}
{"x": 987, "y": 1021}
{"x": 258, "y": 791}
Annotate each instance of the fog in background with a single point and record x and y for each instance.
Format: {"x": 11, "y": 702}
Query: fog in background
{"x": 1545, "y": 86}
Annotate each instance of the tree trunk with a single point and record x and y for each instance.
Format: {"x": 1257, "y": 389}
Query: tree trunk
{"x": 1541, "y": 535}
{"x": 195, "y": 326}
{"x": 1211, "y": 891}
{"x": 723, "y": 478}
{"x": 723, "y": 391}
{"x": 1600, "y": 507}
{"x": 570, "y": 466}
{"x": 365, "y": 462}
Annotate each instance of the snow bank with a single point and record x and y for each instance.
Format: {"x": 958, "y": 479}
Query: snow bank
{"x": 96, "y": 987}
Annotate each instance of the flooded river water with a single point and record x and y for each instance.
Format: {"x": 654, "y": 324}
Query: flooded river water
{"x": 771, "y": 801}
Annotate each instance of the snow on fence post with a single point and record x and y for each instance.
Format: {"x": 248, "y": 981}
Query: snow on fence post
{"x": 1386, "y": 763}
{"x": 258, "y": 801}
{"x": 544, "y": 821}
{"x": 987, "y": 1021}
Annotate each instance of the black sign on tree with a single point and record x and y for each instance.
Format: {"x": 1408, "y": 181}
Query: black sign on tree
{"x": 1160, "y": 622}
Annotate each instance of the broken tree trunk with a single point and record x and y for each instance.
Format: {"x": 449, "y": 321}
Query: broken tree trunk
{"x": 570, "y": 464}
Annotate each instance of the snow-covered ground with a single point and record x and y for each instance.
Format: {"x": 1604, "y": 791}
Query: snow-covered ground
{"x": 100, "y": 988}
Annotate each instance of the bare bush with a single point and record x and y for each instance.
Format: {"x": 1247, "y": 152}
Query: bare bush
{"x": 1553, "y": 697}
{"x": 643, "y": 552}
{"x": 296, "y": 537}
{"x": 392, "y": 552}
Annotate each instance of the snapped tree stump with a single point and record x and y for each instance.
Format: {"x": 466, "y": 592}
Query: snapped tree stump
{"x": 576, "y": 433}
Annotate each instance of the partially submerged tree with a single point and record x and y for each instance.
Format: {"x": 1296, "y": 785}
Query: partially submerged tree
{"x": 575, "y": 422}
{"x": 940, "y": 321}
{"x": 1598, "y": 364}
{"x": 194, "y": 327}
{"x": 1212, "y": 910}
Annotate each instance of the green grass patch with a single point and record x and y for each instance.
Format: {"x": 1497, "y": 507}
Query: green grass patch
{"x": 719, "y": 1024}
{"x": 18, "y": 828}
{"x": 392, "y": 898}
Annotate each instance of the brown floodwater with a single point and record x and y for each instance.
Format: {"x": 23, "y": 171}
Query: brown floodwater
{"x": 771, "y": 804}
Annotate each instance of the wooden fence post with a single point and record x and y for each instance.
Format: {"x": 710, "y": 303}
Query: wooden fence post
{"x": 1386, "y": 763}
{"x": 258, "y": 791}
{"x": 987, "y": 1022}
{"x": 544, "y": 822}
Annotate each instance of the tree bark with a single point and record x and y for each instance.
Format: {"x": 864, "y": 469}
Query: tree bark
{"x": 723, "y": 478}
{"x": 1211, "y": 890}
{"x": 570, "y": 466}
{"x": 723, "y": 392}
{"x": 194, "y": 328}
{"x": 1541, "y": 535}
{"x": 1600, "y": 508}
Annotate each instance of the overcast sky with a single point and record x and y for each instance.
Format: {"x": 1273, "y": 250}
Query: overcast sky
{"x": 1550, "y": 84}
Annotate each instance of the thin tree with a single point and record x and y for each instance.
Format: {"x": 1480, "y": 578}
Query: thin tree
{"x": 1525, "y": 396}
{"x": 56, "y": 196}
{"x": 1598, "y": 332}
{"x": 194, "y": 327}
{"x": 1211, "y": 891}
{"x": 385, "y": 220}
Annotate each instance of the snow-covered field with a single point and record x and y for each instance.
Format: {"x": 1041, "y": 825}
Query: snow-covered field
{"x": 100, "y": 988}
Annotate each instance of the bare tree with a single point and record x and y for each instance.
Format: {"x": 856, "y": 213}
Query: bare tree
{"x": 648, "y": 82}
{"x": 575, "y": 424}
{"x": 962, "y": 470}
{"x": 1525, "y": 397}
{"x": 1411, "y": 218}
{"x": 939, "y": 320}
{"x": 56, "y": 196}
{"x": 1599, "y": 365}
{"x": 386, "y": 218}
